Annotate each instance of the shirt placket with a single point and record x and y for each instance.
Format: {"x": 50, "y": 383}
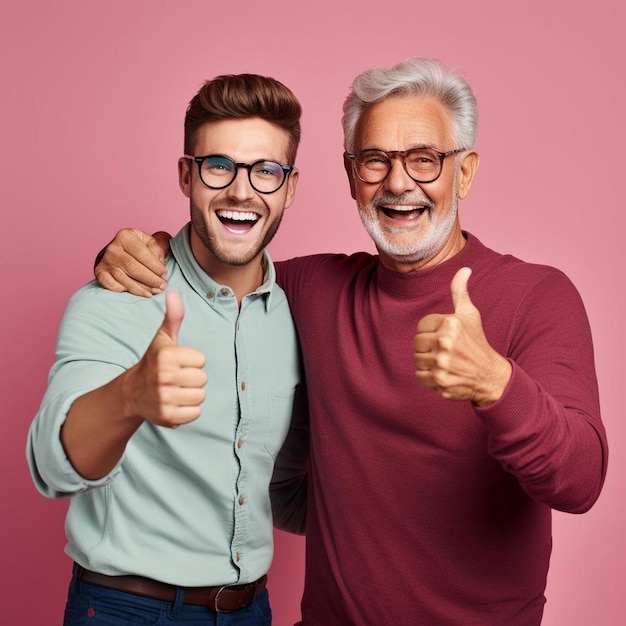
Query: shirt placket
{"x": 241, "y": 442}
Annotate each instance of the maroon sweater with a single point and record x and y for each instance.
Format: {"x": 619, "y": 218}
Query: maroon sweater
{"x": 423, "y": 510}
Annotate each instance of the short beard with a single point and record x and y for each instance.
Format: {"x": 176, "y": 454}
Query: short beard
{"x": 223, "y": 255}
{"x": 425, "y": 245}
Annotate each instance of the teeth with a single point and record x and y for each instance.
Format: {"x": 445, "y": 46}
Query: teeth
{"x": 238, "y": 216}
{"x": 403, "y": 208}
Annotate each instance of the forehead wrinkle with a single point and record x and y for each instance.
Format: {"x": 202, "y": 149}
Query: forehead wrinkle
{"x": 404, "y": 123}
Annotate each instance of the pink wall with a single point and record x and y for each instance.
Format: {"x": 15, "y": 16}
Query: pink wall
{"x": 93, "y": 97}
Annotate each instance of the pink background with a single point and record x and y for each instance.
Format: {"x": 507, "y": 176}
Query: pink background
{"x": 93, "y": 98}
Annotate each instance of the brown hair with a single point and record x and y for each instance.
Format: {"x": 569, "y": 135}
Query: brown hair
{"x": 243, "y": 96}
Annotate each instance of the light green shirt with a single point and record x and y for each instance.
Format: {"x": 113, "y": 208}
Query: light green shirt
{"x": 188, "y": 506}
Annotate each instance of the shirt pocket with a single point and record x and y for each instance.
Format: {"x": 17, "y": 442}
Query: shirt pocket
{"x": 280, "y": 410}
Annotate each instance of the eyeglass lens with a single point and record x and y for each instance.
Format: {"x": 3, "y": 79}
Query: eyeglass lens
{"x": 219, "y": 172}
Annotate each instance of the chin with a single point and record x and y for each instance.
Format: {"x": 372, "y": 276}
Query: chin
{"x": 408, "y": 252}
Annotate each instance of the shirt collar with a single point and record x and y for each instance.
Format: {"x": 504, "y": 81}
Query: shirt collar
{"x": 203, "y": 284}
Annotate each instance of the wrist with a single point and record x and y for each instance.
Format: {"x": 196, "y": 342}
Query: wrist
{"x": 497, "y": 380}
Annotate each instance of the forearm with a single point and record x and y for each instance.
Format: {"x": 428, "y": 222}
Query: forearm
{"x": 557, "y": 451}
{"x": 288, "y": 489}
{"x": 289, "y": 504}
{"x": 97, "y": 428}
{"x": 546, "y": 429}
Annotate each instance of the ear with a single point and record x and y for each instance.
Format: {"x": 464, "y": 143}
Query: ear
{"x": 349, "y": 167}
{"x": 184, "y": 176}
{"x": 290, "y": 184}
{"x": 467, "y": 171}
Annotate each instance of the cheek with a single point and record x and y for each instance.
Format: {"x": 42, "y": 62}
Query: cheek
{"x": 273, "y": 208}
{"x": 365, "y": 194}
{"x": 441, "y": 193}
{"x": 202, "y": 196}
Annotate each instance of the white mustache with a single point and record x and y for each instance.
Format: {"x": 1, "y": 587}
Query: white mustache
{"x": 407, "y": 199}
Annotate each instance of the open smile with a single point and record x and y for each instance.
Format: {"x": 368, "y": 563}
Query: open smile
{"x": 403, "y": 213}
{"x": 237, "y": 222}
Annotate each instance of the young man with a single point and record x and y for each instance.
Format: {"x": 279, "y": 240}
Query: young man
{"x": 430, "y": 503}
{"x": 169, "y": 516}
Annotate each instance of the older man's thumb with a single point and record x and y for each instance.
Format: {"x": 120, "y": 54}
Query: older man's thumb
{"x": 460, "y": 294}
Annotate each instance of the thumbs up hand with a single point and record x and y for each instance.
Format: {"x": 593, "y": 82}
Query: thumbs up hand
{"x": 174, "y": 313}
{"x": 452, "y": 355}
{"x": 166, "y": 386}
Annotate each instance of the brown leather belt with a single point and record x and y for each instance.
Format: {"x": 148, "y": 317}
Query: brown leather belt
{"x": 222, "y": 599}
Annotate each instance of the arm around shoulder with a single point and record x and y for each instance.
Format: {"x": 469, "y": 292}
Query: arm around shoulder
{"x": 134, "y": 261}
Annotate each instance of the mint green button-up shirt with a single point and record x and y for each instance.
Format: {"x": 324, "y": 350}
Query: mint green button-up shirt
{"x": 188, "y": 506}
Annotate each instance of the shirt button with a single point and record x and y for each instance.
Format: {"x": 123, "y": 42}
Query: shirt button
{"x": 223, "y": 291}
{"x": 209, "y": 295}
{"x": 237, "y": 557}
{"x": 240, "y": 500}
{"x": 243, "y": 385}
{"x": 240, "y": 443}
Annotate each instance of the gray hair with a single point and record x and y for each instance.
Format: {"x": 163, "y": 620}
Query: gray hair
{"x": 414, "y": 77}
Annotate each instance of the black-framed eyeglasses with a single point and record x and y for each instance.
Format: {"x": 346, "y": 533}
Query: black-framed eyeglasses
{"x": 423, "y": 165}
{"x": 218, "y": 172}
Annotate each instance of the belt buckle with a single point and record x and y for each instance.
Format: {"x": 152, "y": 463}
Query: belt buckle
{"x": 216, "y": 600}
{"x": 250, "y": 594}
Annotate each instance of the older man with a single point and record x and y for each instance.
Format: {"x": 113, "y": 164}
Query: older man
{"x": 429, "y": 503}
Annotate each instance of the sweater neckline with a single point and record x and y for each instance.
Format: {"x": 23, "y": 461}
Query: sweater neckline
{"x": 415, "y": 284}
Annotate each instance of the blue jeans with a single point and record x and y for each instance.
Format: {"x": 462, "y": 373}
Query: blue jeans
{"x": 93, "y": 605}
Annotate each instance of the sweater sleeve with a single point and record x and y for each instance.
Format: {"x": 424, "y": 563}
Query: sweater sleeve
{"x": 546, "y": 429}
{"x": 288, "y": 489}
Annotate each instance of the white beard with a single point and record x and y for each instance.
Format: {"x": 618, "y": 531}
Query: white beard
{"x": 423, "y": 246}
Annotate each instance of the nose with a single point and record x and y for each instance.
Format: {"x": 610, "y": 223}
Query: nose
{"x": 240, "y": 188}
{"x": 398, "y": 181}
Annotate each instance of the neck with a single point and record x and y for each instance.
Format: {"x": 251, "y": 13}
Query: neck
{"x": 242, "y": 279}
